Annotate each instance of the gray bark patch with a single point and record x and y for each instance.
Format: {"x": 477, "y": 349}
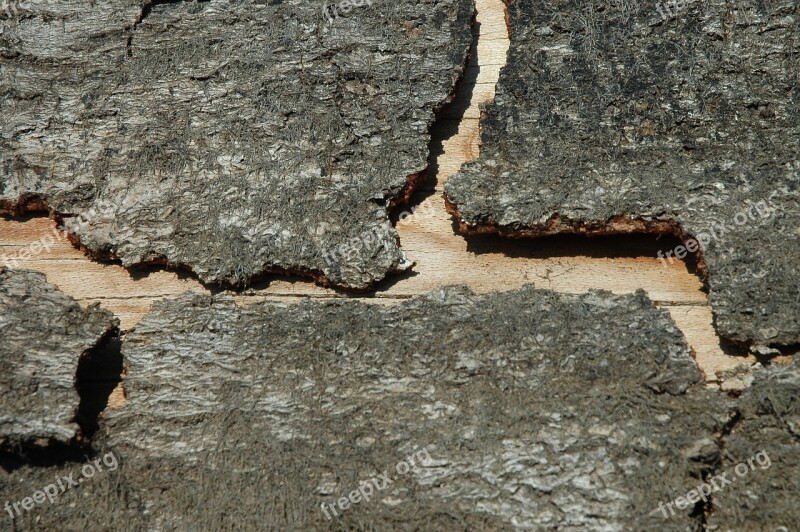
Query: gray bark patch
{"x": 43, "y": 335}
{"x": 527, "y": 408}
{"x": 615, "y": 119}
{"x": 761, "y": 456}
{"x": 229, "y": 137}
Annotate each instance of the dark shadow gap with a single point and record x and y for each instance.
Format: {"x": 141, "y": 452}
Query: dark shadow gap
{"x": 442, "y": 129}
{"x": 99, "y": 372}
{"x": 45, "y": 453}
{"x": 640, "y": 245}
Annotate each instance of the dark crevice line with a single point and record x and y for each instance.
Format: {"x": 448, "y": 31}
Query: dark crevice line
{"x": 703, "y": 509}
{"x": 147, "y": 8}
{"x": 448, "y": 118}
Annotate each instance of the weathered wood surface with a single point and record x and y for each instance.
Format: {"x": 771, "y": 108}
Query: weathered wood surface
{"x": 228, "y": 137}
{"x": 528, "y": 408}
{"x": 428, "y": 238}
{"x": 43, "y": 334}
{"x": 608, "y": 118}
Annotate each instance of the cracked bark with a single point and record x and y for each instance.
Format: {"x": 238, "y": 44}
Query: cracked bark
{"x": 46, "y": 337}
{"x": 230, "y": 138}
{"x": 609, "y": 119}
{"x": 147, "y": 6}
{"x": 536, "y": 409}
{"x": 769, "y": 422}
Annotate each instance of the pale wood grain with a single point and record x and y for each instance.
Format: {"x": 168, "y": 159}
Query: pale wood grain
{"x": 569, "y": 264}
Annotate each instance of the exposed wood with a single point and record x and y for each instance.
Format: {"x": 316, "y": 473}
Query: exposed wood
{"x": 428, "y": 238}
{"x": 609, "y": 119}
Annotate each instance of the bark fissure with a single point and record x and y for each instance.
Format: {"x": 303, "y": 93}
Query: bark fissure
{"x": 704, "y": 509}
{"x": 147, "y": 8}
{"x": 99, "y": 372}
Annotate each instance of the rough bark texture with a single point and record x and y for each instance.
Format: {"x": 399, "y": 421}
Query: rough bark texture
{"x": 765, "y": 496}
{"x": 609, "y": 118}
{"x": 229, "y": 137}
{"x": 534, "y": 408}
{"x": 43, "y": 334}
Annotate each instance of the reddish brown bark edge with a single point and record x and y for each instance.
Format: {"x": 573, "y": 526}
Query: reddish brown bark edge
{"x": 558, "y": 225}
{"x": 30, "y": 203}
{"x": 617, "y": 225}
{"x": 27, "y": 203}
{"x": 35, "y": 204}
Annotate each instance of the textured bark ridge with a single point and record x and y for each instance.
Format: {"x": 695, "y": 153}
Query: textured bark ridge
{"x": 609, "y": 118}
{"x": 229, "y": 137}
{"x": 762, "y": 494}
{"x": 523, "y": 408}
{"x": 43, "y": 334}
